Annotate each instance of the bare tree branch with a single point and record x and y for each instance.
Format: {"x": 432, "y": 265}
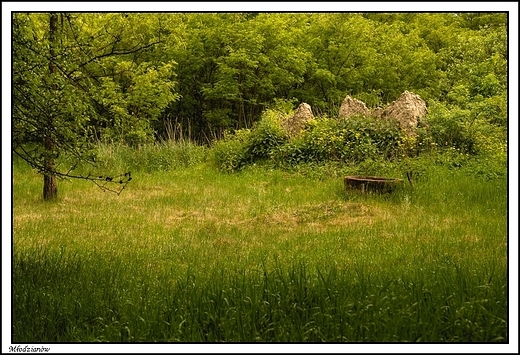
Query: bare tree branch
{"x": 115, "y": 184}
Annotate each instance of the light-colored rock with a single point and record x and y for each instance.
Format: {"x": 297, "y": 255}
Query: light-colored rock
{"x": 377, "y": 112}
{"x": 294, "y": 124}
{"x": 408, "y": 109}
{"x": 352, "y": 107}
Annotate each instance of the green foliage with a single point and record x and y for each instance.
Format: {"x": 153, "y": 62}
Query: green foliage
{"x": 216, "y": 72}
{"x": 490, "y": 167}
{"x": 491, "y": 110}
{"x": 46, "y": 105}
{"x": 131, "y": 79}
{"x": 451, "y": 128}
{"x": 350, "y": 140}
{"x": 467, "y": 131}
{"x": 247, "y": 146}
{"x": 267, "y": 135}
{"x": 78, "y": 78}
{"x": 372, "y": 99}
{"x": 232, "y": 152}
{"x": 476, "y": 63}
{"x": 244, "y": 64}
{"x": 285, "y": 107}
{"x": 358, "y": 139}
{"x": 133, "y": 101}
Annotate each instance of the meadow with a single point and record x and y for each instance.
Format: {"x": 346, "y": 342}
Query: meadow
{"x": 187, "y": 253}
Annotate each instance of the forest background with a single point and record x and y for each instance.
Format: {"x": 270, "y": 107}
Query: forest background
{"x": 135, "y": 79}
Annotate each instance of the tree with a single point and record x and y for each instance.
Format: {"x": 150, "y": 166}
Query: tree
{"x": 59, "y": 62}
{"x": 48, "y": 109}
{"x": 50, "y": 189}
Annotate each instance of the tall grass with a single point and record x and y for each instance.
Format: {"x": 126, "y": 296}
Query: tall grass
{"x": 292, "y": 304}
{"x": 148, "y": 158}
{"x": 187, "y": 254}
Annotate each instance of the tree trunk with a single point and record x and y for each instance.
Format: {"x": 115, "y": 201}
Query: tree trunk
{"x": 50, "y": 188}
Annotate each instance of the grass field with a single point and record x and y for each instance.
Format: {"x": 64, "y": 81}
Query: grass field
{"x": 264, "y": 255}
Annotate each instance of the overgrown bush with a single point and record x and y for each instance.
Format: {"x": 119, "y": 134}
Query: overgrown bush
{"x": 491, "y": 109}
{"x": 464, "y": 131}
{"x": 325, "y": 139}
{"x": 232, "y": 152}
{"x": 451, "y": 135}
{"x": 452, "y": 128}
{"x": 267, "y": 135}
{"x": 245, "y": 146}
{"x": 350, "y": 140}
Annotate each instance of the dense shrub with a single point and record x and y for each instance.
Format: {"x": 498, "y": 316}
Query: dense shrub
{"x": 314, "y": 145}
{"x": 453, "y": 135}
{"x": 350, "y": 140}
{"x": 325, "y": 139}
{"x": 452, "y": 128}
{"x": 267, "y": 135}
{"x": 232, "y": 152}
{"x": 465, "y": 131}
{"x": 245, "y": 146}
{"x": 491, "y": 109}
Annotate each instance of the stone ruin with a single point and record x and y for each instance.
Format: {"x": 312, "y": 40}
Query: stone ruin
{"x": 353, "y": 107}
{"x": 408, "y": 110}
{"x": 294, "y": 124}
{"x": 377, "y": 112}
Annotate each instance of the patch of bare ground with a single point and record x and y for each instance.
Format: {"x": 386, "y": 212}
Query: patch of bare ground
{"x": 19, "y": 219}
{"x": 317, "y": 216}
{"x": 172, "y": 217}
{"x": 57, "y": 211}
{"x": 326, "y": 215}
